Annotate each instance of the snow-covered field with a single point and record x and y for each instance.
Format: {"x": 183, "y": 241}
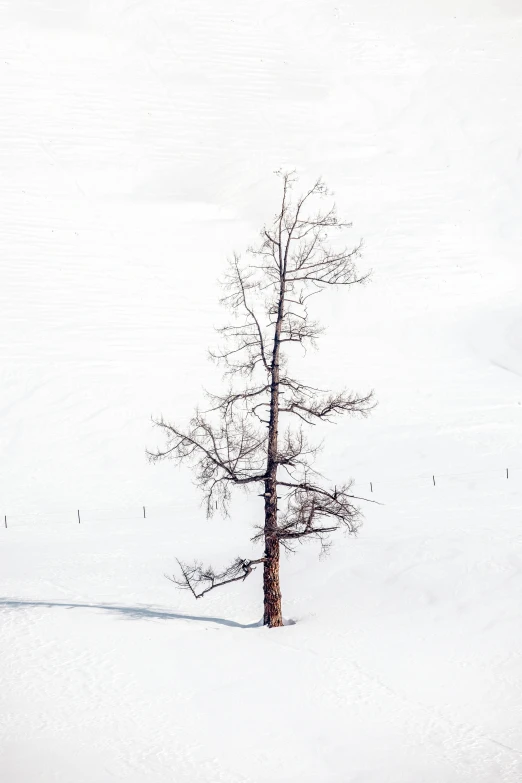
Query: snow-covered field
{"x": 137, "y": 144}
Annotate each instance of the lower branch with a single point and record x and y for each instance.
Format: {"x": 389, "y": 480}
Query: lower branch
{"x": 196, "y": 575}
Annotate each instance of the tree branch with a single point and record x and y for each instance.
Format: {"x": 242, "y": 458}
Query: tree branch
{"x": 195, "y": 574}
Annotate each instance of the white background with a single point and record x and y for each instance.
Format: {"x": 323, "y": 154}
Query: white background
{"x": 137, "y": 145}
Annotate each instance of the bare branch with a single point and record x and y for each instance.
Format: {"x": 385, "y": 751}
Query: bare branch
{"x": 226, "y": 403}
{"x": 324, "y": 408}
{"x": 239, "y": 283}
{"x": 195, "y": 575}
{"x": 307, "y": 486}
{"x": 230, "y": 453}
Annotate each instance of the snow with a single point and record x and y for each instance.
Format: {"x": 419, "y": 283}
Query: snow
{"x": 136, "y": 147}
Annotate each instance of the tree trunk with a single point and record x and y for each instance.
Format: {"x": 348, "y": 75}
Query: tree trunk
{"x": 272, "y": 615}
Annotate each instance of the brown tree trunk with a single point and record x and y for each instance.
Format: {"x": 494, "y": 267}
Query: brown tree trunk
{"x": 273, "y": 614}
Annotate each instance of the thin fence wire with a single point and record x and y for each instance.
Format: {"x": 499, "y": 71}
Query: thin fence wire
{"x": 431, "y": 478}
{"x": 144, "y": 512}
{"x": 84, "y": 515}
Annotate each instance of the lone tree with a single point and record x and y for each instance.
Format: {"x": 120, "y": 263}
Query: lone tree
{"x": 242, "y": 440}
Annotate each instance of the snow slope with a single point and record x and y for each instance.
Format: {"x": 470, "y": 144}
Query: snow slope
{"x": 137, "y": 143}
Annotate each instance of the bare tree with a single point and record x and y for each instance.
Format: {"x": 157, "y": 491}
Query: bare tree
{"x": 238, "y": 441}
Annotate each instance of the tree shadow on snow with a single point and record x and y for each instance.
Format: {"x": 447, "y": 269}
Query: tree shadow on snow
{"x": 133, "y": 612}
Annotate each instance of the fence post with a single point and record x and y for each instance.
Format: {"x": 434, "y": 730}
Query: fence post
{"x": 371, "y": 487}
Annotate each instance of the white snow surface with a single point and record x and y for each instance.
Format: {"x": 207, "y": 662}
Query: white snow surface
{"x": 137, "y": 145}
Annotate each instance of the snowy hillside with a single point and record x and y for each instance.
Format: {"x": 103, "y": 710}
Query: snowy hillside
{"x": 137, "y": 145}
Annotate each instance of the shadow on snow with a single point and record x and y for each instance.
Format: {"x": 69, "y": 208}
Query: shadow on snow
{"x": 134, "y": 612}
